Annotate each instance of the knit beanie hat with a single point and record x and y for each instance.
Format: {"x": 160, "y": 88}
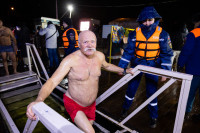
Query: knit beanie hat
{"x": 148, "y": 12}
{"x": 68, "y": 21}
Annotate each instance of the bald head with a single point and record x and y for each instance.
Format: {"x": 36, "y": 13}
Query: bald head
{"x": 86, "y": 33}
{"x": 87, "y": 42}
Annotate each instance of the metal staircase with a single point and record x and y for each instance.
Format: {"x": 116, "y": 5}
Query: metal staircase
{"x": 14, "y": 88}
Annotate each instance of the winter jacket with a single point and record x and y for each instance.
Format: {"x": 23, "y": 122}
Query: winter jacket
{"x": 164, "y": 58}
{"x": 190, "y": 53}
{"x": 48, "y": 32}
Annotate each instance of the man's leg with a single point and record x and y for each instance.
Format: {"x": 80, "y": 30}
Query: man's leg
{"x": 191, "y": 97}
{"x": 5, "y": 63}
{"x": 83, "y": 123}
{"x": 14, "y": 61}
{"x": 131, "y": 90}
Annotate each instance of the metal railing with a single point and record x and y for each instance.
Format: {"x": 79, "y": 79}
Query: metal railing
{"x": 174, "y": 76}
{"x": 29, "y": 48}
{"x": 53, "y": 121}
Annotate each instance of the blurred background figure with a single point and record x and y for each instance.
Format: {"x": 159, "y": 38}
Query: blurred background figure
{"x": 69, "y": 37}
{"x": 51, "y": 34}
{"x": 8, "y": 47}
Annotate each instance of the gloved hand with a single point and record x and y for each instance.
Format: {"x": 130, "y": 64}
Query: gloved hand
{"x": 179, "y": 69}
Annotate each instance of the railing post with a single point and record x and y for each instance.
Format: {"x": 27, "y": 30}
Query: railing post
{"x": 185, "y": 88}
{"x": 29, "y": 59}
{"x": 30, "y": 125}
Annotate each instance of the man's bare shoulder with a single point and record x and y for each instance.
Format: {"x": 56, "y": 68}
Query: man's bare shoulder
{"x": 72, "y": 58}
{"x": 6, "y": 28}
{"x": 100, "y": 55}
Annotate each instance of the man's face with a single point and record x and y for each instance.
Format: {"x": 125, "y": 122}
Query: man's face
{"x": 87, "y": 43}
{"x": 148, "y": 22}
{"x": 65, "y": 25}
{"x": 196, "y": 24}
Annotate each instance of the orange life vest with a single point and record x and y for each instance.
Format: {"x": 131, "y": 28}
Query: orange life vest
{"x": 196, "y": 32}
{"x": 66, "y": 40}
{"x": 147, "y": 49}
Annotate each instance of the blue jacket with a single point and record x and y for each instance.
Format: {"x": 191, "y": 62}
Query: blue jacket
{"x": 190, "y": 54}
{"x": 164, "y": 59}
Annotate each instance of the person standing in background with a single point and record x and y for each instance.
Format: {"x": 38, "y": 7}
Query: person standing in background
{"x": 51, "y": 35}
{"x": 70, "y": 37}
{"x": 148, "y": 45}
{"x": 189, "y": 58}
{"x": 7, "y": 47}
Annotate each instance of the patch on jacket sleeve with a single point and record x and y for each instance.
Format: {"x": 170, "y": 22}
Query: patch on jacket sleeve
{"x": 169, "y": 42}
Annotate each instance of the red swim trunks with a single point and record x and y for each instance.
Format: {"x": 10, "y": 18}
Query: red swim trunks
{"x": 72, "y": 108}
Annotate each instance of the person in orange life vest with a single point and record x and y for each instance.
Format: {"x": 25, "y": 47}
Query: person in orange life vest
{"x": 148, "y": 45}
{"x": 189, "y": 58}
{"x": 70, "y": 37}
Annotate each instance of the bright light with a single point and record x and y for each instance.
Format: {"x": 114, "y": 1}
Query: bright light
{"x": 84, "y": 25}
{"x": 70, "y": 8}
{"x": 12, "y": 8}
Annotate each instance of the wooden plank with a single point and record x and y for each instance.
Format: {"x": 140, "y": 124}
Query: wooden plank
{"x": 53, "y": 121}
{"x": 16, "y": 76}
{"x": 19, "y": 91}
{"x": 18, "y": 83}
{"x": 10, "y": 123}
{"x": 20, "y": 97}
{"x": 19, "y": 104}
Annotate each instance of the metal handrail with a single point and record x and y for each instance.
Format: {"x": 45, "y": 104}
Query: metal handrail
{"x": 28, "y": 47}
{"x": 185, "y": 87}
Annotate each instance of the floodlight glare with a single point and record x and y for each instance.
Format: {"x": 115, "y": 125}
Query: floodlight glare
{"x": 70, "y": 8}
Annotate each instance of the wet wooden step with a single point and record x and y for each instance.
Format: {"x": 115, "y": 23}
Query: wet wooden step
{"x": 17, "y": 76}
{"x": 17, "y": 83}
{"x": 20, "y": 91}
{"x": 20, "y": 97}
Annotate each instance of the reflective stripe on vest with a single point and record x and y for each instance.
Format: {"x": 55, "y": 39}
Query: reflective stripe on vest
{"x": 66, "y": 41}
{"x": 196, "y": 32}
{"x": 147, "y": 49}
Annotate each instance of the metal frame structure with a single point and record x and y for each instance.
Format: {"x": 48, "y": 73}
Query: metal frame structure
{"x": 174, "y": 76}
{"x": 29, "y": 51}
{"x": 47, "y": 117}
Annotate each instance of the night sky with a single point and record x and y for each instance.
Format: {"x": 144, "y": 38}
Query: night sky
{"x": 172, "y": 11}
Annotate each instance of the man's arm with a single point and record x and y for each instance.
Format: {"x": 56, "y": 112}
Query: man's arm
{"x": 113, "y": 68}
{"x": 43, "y": 31}
{"x": 50, "y": 84}
{"x": 14, "y": 40}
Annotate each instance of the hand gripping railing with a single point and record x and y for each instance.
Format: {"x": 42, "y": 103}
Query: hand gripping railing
{"x": 185, "y": 87}
{"x": 53, "y": 121}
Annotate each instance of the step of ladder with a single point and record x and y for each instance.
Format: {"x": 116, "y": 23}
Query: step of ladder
{"x": 17, "y": 76}
{"x": 19, "y": 91}
{"x": 17, "y": 80}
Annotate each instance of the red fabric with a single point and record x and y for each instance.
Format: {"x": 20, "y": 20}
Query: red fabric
{"x": 72, "y": 108}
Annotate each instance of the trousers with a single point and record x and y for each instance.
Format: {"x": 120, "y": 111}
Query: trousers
{"x": 151, "y": 88}
{"x": 193, "y": 89}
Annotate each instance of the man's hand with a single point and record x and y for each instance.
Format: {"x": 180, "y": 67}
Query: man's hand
{"x": 129, "y": 70}
{"x": 29, "y": 112}
{"x": 163, "y": 79}
{"x": 126, "y": 71}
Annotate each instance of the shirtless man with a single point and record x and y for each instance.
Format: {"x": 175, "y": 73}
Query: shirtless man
{"x": 83, "y": 68}
{"x": 6, "y": 47}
